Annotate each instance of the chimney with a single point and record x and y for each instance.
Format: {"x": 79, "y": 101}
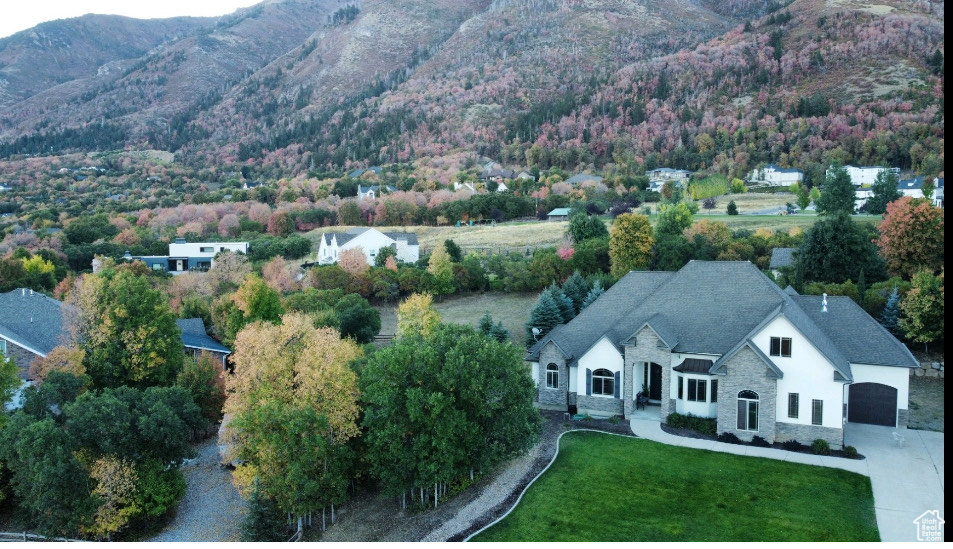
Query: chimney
{"x": 22, "y": 291}
{"x": 824, "y": 303}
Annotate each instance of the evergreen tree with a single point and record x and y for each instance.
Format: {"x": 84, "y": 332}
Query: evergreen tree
{"x": 836, "y": 248}
{"x": 861, "y": 290}
{"x": 500, "y": 333}
{"x": 486, "y": 324}
{"x": 264, "y": 521}
{"x": 732, "y": 208}
{"x": 456, "y": 255}
{"x": 576, "y": 289}
{"x": 593, "y": 294}
{"x": 566, "y": 309}
{"x": 545, "y": 316}
{"x": 885, "y": 191}
{"x": 838, "y": 194}
{"x": 891, "y": 312}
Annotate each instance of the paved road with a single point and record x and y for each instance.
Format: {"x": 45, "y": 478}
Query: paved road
{"x": 212, "y": 509}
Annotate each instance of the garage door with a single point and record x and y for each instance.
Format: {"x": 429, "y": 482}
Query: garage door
{"x": 872, "y": 403}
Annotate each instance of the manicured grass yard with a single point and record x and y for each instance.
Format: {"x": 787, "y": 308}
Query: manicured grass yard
{"x": 611, "y": 488}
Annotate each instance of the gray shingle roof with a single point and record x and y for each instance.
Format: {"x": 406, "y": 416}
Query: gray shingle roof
{"x": 195, "y": 337}
{"x": 715, "y": 307}
{"x": 583, "y": 177}
{"x": 411, "y": 238}
{"x": 860, "y": 338}
{"x": 32, "y": 321}
{"x": 782, "y": 257}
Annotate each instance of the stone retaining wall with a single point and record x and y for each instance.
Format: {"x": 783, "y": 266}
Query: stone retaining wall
{"x": 928, "y": 369}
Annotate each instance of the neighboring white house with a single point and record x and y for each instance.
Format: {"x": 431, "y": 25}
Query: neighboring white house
{"x": 465, "y": 185}
{"x": 373, "y": 191}
{"x": 719, "y": 339}
{"x": 914, "y": 189}
{"x": 864, "y": 175}
{"x": 775, "y": 175}
{"x": 861, "y": 196}
{"x": 370, "y": 241}
{"x": 4, "y": 188}
{"x": 668, "y": 174}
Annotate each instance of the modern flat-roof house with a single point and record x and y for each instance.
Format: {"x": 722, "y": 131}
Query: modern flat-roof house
{"x": 32, "y": 324}
{"x": 864, "y": 175}
{"x": 370, "y": 241}
{"x": 721, "y": 340}
{"x": 775, "y": 175}
{"x": 189, "y": 256}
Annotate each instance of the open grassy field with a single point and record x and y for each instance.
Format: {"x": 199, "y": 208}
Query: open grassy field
{"x": 517, "y": 235}
{"x": 609, "y": 488}
{"x": 510, "y": 309}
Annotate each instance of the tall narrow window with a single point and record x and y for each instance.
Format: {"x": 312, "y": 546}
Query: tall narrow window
{"x": 679, "y": 387}
{"x": 748, "y": 411}
{"x": 552, "y": 376}
{"x": 697, "y": 389}
{"x": 817, "y": 412}
{"x": 793, "y": 405}
{"x": 714, "y": 390}
{"x": 603, "y": 382}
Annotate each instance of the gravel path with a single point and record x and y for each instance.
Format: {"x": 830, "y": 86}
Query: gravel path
{"x": 212, "y": 509}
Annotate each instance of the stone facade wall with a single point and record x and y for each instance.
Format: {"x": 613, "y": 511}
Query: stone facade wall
{"x": 599, "y": 405}
{"x": 23, "y": 357}
{"x": 806, "y": 434}
{"x": 646, "y": 349}
{"x": 552, "y": 399}
{"x": 746, "y": 371}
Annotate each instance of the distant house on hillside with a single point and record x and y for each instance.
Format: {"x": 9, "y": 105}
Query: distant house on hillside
{"x": 465, "y": 185}
{"x": 497, "y": 175}
{"x": 914, "y": 189}
{"x": 361, "y": 171}
{"x": 558, "y": 214}
{"x": 524, "y": 175}
{"x": 668, "y": 174}
{"x": 373, "y": 191}
{"x": 864, "y": 175}
{"x": 775, "y": 175}
{"x": 580, "y": 178}
{"x": 189, "y": 256}
{"x": 251, "y": 185}
{"x": 370, "y": 241}
{"x": 5, "y": 188}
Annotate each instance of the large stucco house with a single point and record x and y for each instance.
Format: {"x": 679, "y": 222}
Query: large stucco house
{"x": 775, "y": 175}
{"x": 370, "y": 241}
{"x": 189, "y": 256}
{"x": 721, "y": 340}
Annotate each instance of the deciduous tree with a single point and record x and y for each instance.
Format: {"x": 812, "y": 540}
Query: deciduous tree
{"x": 921, "y": 310}
{"x": 417, "y": 316}
{"x": 630, "y": 243}
{"x": 911, "y": 237}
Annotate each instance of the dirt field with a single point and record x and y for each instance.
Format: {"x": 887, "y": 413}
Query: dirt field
{"x": 510, "y": 309}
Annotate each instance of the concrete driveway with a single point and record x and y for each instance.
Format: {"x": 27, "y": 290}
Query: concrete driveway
{"x": 907, "y": 481}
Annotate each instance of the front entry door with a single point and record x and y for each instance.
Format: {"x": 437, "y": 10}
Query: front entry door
{"x": 655, "y": 382}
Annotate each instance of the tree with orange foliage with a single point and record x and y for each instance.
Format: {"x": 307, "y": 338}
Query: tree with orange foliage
{"x": 911, "y": 237}
{"x": 353, "y": 260}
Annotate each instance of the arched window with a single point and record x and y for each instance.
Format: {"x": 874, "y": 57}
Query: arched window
{"x": 603, "y": 382}
{"x": 747, "y": 411}
{"x": 552, "y": 376}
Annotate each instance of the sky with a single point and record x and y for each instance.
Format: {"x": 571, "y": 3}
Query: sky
{"x": 20, "y": 15}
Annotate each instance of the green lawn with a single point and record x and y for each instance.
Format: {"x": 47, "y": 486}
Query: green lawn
{"x": 610, "y": 488}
